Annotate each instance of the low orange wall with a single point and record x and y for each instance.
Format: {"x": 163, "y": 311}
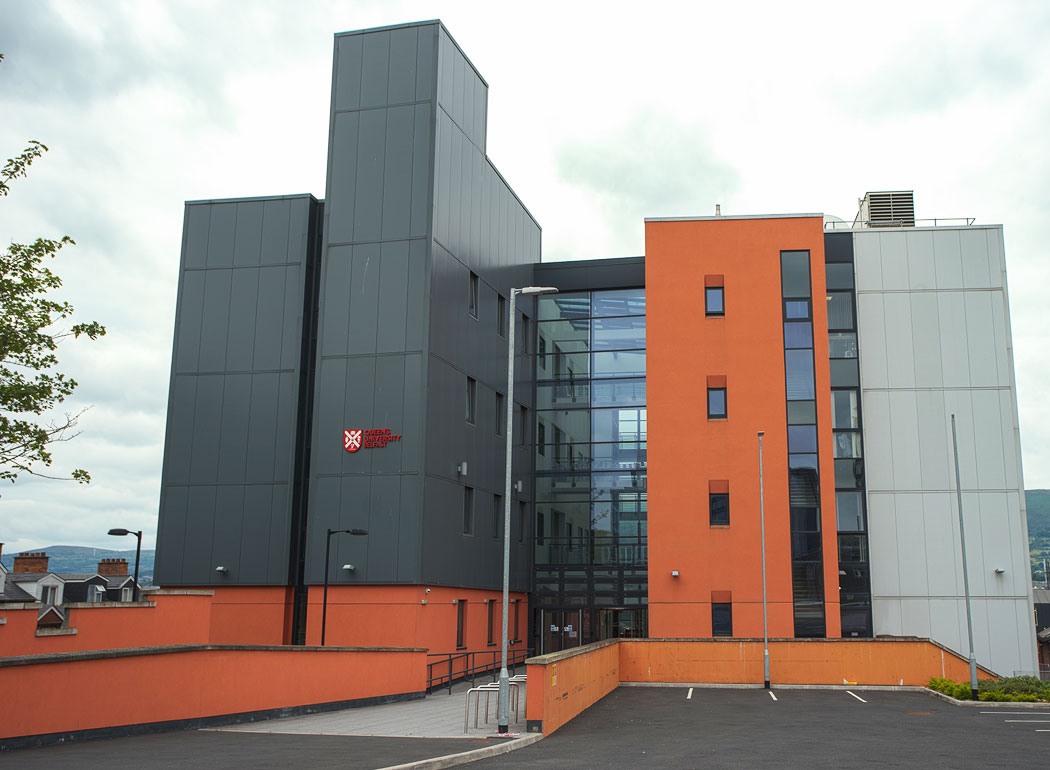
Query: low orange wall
{"x": 58, "y": 694}
{"x": 563, "y": 685}
{"x": 795, "y": 661}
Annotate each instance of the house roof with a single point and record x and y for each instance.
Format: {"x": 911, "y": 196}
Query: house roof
{"x": 77, "y": 577}
{"x": 117, "y": 581}
{"x": 15, "y": 593}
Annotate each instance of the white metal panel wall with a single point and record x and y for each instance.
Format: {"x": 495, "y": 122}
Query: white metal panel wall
{"x": 934, "y": 336}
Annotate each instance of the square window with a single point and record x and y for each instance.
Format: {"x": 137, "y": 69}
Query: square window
{"x": 716, "y": 403}
{"x": 721, "y": 619}
{"x": 501, "y": 414}
{"x": 472, "y": 296}
{"x": 468, "y": 511}
{"x": 715, "y": 300}
{"x": 472, "y": 400}
{"x": 718, "y": 503}
{"x": 501, "y": 315}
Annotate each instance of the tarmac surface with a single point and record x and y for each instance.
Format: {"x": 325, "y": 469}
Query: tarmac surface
{"x": 633, "y": 727}
{"x": 659, "y": 727}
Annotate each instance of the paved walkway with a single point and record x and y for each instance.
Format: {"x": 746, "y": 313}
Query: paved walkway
{"x": 439, "y": 715}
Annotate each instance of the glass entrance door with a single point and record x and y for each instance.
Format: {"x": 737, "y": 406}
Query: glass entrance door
{"x": 561, "y": 630}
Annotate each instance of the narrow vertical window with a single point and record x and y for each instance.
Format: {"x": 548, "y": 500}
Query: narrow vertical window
{"x": 497, "y": 514}
{"x": 517, "y": 628}
{"x": 501, "y": 316}
{"x": 539, "y": 528}
{"x": 492, "y": 622}
{"x": 472, "y": 400}
{"x": 714, "y": 295}
{"x": 468, "y": 511}
{"x": 524, "y": 334}
{"x": 721, "y": 618}
{"x": 718, "y": 504}
{"x": 716, "y": 403}
{"x": 472, "y": 295}
{"x": 501, "y": 414}
{"x": 461, "y": 622}
{"x": 522, "y": 512}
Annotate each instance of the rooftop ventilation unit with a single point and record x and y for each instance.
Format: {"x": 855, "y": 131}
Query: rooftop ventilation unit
{"x": 886, "y": 209}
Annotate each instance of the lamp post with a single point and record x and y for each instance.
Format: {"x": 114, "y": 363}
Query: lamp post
{"x": 966, "y": 573}
{"x": 327, "y": 554}
{"x": 119, "y": 532}
{"x": 762, "y": 520}
{"x": 503, "y": 708}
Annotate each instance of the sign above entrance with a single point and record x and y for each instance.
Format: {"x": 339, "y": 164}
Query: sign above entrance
{"x": 376, "y": 438}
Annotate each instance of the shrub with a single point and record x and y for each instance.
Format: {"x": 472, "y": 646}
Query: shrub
{"x": 1014, "y": 689}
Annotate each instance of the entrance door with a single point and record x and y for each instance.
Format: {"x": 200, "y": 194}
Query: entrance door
{"x": 561, "y": 630}
{"x": 623, "y": 623}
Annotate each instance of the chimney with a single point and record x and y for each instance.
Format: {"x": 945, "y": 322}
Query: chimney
{"x": 31, "y": 561}
{"x": 113, "y": 567}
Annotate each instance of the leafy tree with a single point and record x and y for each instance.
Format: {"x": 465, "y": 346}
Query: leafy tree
{"x": 29, "y": 387}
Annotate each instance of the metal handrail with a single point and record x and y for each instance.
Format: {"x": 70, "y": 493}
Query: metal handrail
{"x": 875, "y": 225}
{"x": 445, "y": 672}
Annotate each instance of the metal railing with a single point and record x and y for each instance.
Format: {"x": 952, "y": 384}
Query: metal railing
{"x": 878, "y": 224}
{"x": 447, "y": 668}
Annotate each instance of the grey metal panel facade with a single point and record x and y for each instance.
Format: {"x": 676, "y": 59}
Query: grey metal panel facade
{"x": 229, "y": 446}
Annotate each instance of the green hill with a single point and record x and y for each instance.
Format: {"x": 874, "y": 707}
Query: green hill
{"x": 1038, "y": 504}
{"x": 76, "y": 558}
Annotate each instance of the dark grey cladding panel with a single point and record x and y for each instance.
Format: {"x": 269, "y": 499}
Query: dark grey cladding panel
{"x": 387, "y": 66}
{"x": 838, "y": 247}
{"x": 470, "y": 561}
{"x": 462, "y": 93}
{"x": 229, "y": 447}
{"x": 591, "y": 274}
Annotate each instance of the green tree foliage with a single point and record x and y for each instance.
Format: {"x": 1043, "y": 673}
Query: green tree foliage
{"x": 30, "y": 388}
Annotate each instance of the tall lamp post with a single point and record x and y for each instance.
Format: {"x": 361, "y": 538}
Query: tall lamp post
{"x": 762, "y": 520}
{"x": 503, "y": 709}
{"x": 327, "y": 554}
{"x": 119, "y": 532}
{"x": 966, "y": 573}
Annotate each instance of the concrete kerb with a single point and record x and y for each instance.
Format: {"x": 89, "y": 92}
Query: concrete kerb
{"x": 982, "y": 703}
{"x": 775, "y": 686}
{"x": 463, "y": 757}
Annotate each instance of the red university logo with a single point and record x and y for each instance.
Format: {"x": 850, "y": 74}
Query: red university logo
{"x": 352, "y": 439}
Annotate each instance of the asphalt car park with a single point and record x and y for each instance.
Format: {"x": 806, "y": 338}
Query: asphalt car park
{"x": 671, "y": 727}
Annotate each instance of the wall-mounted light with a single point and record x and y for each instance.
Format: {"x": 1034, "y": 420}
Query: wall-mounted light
{"x": 222, "y": 569}
{"x": 461, "y": 469}
{"x": 999, "y": 570}
{"x": 674, "y": 573}
{"x": 349, "y": 567}
{"x": 518, "y": 486}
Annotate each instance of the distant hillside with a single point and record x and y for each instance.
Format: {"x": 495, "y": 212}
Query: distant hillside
{"x": 75, "y": 558}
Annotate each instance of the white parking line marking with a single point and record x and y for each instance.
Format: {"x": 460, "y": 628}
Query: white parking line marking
{"x": 1029, "y": 721}
{"x": 689, "y": 695}
{"x": 1020, "y": 713}
{"x": 857, "y": 697}
{"x": 771, "y": 695}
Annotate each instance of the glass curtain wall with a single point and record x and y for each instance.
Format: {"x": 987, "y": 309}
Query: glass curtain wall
{"x": 590, "y": 550}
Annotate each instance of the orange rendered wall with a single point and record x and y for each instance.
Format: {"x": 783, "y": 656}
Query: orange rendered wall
{"x": 188, "y": 685}
{"x": 251, "y": 615}
{"x": 810, "y": 661}
{"x": 686, "y": 449}
{"x": 563, "y": 684}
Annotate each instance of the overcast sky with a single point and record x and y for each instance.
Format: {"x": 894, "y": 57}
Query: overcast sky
{"x": 599, "y": 115}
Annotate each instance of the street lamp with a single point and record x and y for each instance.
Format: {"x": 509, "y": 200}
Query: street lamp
{"x": 503, "y": 708}
{"x": 327, "y": 553}
{"x": 966, "y": 574}
{"x": 119, "y": 532}
{"x": 762, "y": 520}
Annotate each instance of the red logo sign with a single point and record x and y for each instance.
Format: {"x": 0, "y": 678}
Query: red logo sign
{"x": 373, "y": 438}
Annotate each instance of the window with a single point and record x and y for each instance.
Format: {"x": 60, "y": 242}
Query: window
{"x": 497, "y": 514}
{"x": 472, "y": 400}
{"x": 517, "y": 628}
{"x": 461, "y": 622}
{"x": 96, "y": 594}
{"x": 522, "y": 512}
{"x": 501, "y": 315}
{"x": 541, "y": 438}
{"x": 524, "y": 334}
{"x": 492, "y": 622}
{"x": 716, "y": 403}
{"x": 472, "y": 296}
{"x": 468, "y": 511}
{"x": 718, "y": 503}
{"x": 50, "y": 595}
{"x": 125, "y": 594}
{"x": 501, "y": 414}
{"x": 714, "y": 297}
{"x": 539, "y": 528}
{"x": 721, "y": 618}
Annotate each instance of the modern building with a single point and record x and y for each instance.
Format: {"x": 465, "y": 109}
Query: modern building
{"x": 341, "y": 364}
